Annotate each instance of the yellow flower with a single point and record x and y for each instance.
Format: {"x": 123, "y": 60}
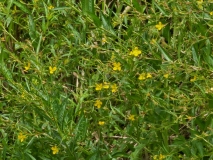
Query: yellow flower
{"x": 98, "y": 103}
{"x": 27, "y": 67}
{"x": 2, "y": 39}
{"x": 50, "y": 7}
{"x": 103, "y": 40}
{"x": 155, "y": 157}
{"x": 200, "y": 4}
{"x": 159, "y": 26}
{"x": 148, "y": 75}
{"x": 193, "y": 79}
{"x": 153, "y": 41}
{"x": 98, "y": 87}
{"x": 211, "y": 13}
{"x": 55, "y": 149}
{"x": 101, "y": 123}
{"x": 166, "y": 75}
{"x": 135, "y": 52}
{"x": 66, "y": 61}
{"x": 116, "y": 66}
{"x": 142, "y": 76}
{"x": 106, "y": 85}
{"x": 52, "y": 69}
{"x": 21, "y": 137}
{"x": 161, "y": 157}
{"x": 114, "y": 88}
{"x": 113, "y": 56}
{"x": 131, "y": 117}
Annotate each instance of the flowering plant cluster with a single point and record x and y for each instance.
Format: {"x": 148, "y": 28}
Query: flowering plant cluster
{"x": 106, "y": 80}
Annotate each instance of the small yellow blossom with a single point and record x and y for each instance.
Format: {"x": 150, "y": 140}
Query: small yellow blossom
{"x": 116, "y": 66}
{"x": 101, "y": 123}
{"x": 135, "y": 52}
{"x": 50, "y": 7}
{"x": 148, "y": 75}
{"x": 98, "y": 87}
{"x": 131, "y": 117}
{"x": 27, "y": 67}
{"x": 66, "y": 61}
{"x": 106, "y": 85}
{"x": 52, "y": 69}
{"x": 98, "y": 103}
{"x": 153, "y": 41}
{"x": 114, "y": 88}
{"x": 55, "y": 149}
{"x": 103, "y": 40}
{"x": 211, "y": 13}
{"x": 166, "y": 75}
{"x": 113, "y": 56}
{"x": 193, "y": 79}
{"x": 159, "y": 26}
{"x": 2, "y": 39}
{"x": 21, "y": 137}
{"x": 161, "y": 157}
{"x": 189, "y": 117}
{"x": 155, "y": 157}
{"x": 200, "y": 4}
{"x": 144, "y": 76}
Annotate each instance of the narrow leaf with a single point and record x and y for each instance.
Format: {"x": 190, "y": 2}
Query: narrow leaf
{"x": 163, "y": 52}
{"x": 106, "y": 24}
{"x": 195, "y": 55}
{"x": 88, "y": 6}
{"x": 161, "y": 9}
{"x": 22, "y": 7}
{"x": 32, "y": 30}
{"x": 81, "y": 128}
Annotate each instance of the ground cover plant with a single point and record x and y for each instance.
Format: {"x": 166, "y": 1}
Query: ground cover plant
{"x": 106, "y": 80}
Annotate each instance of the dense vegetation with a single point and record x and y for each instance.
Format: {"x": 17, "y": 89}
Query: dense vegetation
{"x": 106, "y": 80}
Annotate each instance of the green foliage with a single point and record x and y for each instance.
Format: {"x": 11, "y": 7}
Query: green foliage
{"x": 106, "y": 80}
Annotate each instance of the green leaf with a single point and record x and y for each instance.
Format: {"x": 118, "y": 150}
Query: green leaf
{"x": 195, "y": 56}
{"x": 81, "y": 128}
{"x": 22, "y": 7}
{"x": 135, "y": 155}
{"x": 39, "y": 44}
{"x": 167, "y": 33}
{"x": 33, "y": 158}
{"x": 136, "y": 5}
{"x": 43, "y": 25}
{"x": 107, "y": 24}
{"x": 94, "y": 156}
{"x": 88, "y": 6}
{"x": 208, "y": 47}
{"x": 43, "y": 114}
{"x": 161, "y": 9}
{"x": 163, "y": 52}
{"x": 95, "y": 19}
{"x": 32, "y": 29}
{"x": 120, "y": 155}
{"x": 199, "y": 146}
{"x": 61, "y": 113}
{"x": 6, "y": 72}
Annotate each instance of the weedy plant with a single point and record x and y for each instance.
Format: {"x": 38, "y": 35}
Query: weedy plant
{"x": 100, "y": 80}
